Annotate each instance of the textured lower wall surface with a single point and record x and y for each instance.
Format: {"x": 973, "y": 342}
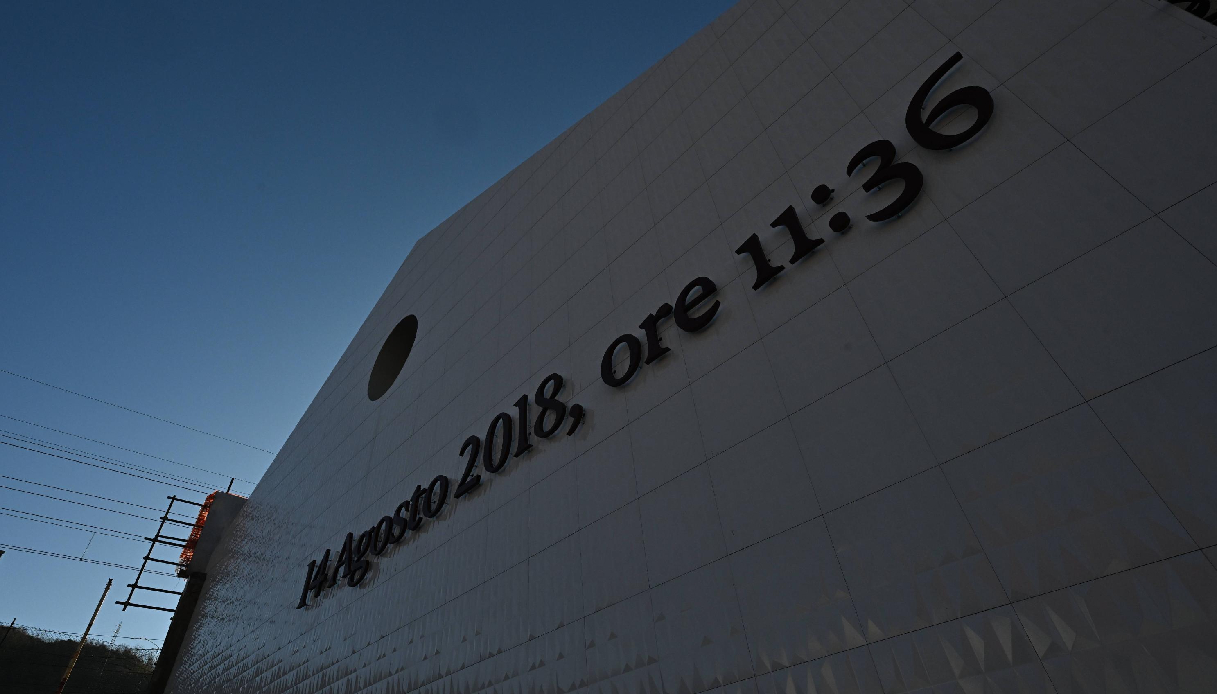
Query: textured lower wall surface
{"x": 970, "y": 448}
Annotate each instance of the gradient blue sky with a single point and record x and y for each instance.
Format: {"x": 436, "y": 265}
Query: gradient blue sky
{"x": 200, "y": 203}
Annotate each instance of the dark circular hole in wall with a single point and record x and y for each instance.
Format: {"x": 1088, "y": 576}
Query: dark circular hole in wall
{"x": 392, "y": 357}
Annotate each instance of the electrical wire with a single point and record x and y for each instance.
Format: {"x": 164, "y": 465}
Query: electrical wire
{"x": 102, "y": 467}
{"x": 27, "y": 628}
{"x": 121, "y": 448}
{"x": 104, "y": 532}
{"x": 78, "y": 503}
{"x": 80, "y": 526}
{"x": 59, "y": 448}
{"x": 133, "y": 411}
{"x": 101, "y": 459}
{"x": 73, "y": 491}
{"x": 56, "y": 555}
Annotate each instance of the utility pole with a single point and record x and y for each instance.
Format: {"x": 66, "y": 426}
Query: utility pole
{"x": 80, "y": 647}
{"x": 110, "y": 653}
{"x": 10, "y": 630}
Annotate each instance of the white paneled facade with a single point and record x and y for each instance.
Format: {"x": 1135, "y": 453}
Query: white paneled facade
{"x": 969, "y": 449}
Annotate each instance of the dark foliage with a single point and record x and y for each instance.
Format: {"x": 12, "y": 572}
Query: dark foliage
{"x": 31, "y": 663}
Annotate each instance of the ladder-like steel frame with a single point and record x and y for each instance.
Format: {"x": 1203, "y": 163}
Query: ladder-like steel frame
{"x": 156, "y": 539}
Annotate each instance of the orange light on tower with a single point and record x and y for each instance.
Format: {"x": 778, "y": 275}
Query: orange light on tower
{"x": 193, "y": 540}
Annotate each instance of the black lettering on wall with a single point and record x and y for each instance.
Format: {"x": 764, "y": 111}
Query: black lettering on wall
{"x": 686, "y": 303}
{"x": 308, "y": 583}
{"x": 691, "y": 313}
{"x": 492, "y": 460}
{"x": 469, "y": 480}
{"x": 382, "y": 535}
{"x": 401, "y": 522}
{"x": 889, "y": 170}
{"x": 549, "y": 404}
{"x": 974, "y": 96}
{"x": 523, "y": 445}
{"x": 765, "y": 270}
{"x": 650, "y": 326}
{"x": 437, "y": 496}
{"x": 803, "y": 246}
{"x": 320, "y": 576}
{"x": 606, "y": 363}
{"x": 1199, "y": 8}
{"x": 415, "y": 508}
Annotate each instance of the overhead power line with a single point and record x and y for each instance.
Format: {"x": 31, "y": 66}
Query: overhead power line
{"x": 102, "y": 467}
{"x": 78, "y": 503}
{"x": 134, "y": 411}
{"x": 84, "y": 527}
{"x": 56, "y": 519}
{"x": 122, "y": 448}
{"x": 60, "y": 448}
{"x": 73, "y": 491}
{"x": 77, "y": 634}
{"x": 56, "y": 555}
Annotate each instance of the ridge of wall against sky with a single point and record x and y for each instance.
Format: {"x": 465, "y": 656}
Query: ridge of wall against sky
{"x": 968, "y": 446}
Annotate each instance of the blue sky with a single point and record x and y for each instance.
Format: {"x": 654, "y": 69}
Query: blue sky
{"x": 200, "y": 203}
